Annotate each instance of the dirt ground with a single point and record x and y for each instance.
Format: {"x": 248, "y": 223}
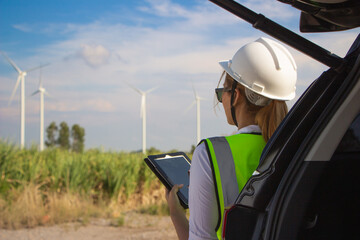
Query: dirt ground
{"x": 136, "y": 226}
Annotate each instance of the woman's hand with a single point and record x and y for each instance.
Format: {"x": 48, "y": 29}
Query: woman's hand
{"x": 177, "y": 212}
{"x": 173, "y": 200}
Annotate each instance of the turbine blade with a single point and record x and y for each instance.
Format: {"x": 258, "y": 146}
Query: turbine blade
{"x": 189, "y": 107}
{"x": 201, "y": 98}
{"x": 41, "y": 66}
{"x": 40, "y": 78}
{"x": 36, "y": 92}
{"x": 47, "y": 94}
{"x": 152, "y": 89}
{"x": 195, "y": 94}
{"x": 136, "y": 89}
{"x": 11, "y": 62}
{"x": 14, "y": 90}
{"x": 197, "y": 97}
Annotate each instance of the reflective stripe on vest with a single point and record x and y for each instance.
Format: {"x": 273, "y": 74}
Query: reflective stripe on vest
{"x": 233, "y": 159}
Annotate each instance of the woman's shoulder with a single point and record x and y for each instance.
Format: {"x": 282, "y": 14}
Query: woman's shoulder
{"x": 200, "y": 150}
{"x": 200, "y": 164}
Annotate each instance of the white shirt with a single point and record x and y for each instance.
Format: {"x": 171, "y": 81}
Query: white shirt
{"x": 202, "y": 199}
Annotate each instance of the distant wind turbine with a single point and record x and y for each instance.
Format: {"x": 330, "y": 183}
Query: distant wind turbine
{"x": 20, "y": 79}
{"x": 143, "y": 112}
{"x": 41, "y": 91}
{"x": 197, "y": 102}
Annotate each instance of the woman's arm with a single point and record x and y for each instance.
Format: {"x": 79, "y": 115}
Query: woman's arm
{"x": 177, "y": 213}
{"x": 202, "y": 201}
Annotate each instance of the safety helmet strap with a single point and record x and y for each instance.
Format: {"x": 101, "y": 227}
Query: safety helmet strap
{"x": 232, "y": 101}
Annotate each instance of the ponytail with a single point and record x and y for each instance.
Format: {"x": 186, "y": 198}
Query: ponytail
{"x": 269, "y": 117}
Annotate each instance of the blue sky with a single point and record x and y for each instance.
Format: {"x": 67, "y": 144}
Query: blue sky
{"x": 93, "y": 46}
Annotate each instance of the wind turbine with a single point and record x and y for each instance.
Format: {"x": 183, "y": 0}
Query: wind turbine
{"x": 41, "y": 91}
{"x": 197, "y": 102}
{"x": 143, "y": 112}
{"x": 20, "y": 79}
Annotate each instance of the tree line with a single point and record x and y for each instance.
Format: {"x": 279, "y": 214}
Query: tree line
{"x": 60, "y": 137}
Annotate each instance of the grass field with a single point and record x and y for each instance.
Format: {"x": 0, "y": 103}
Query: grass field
{"x": 54, "y": 186}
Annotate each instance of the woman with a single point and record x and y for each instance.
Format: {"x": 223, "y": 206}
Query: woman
{"x": 259, "y": 78}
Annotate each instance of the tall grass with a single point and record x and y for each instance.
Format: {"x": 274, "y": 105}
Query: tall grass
{"x": 109, "y": 173}
{"x": 113, "y": 178}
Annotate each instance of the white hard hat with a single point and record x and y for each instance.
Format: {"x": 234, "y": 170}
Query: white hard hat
{"x": 265, "y": 67}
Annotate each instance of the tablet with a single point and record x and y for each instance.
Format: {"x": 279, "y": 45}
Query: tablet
{"x": 171, "y": 169}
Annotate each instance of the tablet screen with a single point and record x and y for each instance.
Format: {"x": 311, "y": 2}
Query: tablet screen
{"x": 176, "y": 168}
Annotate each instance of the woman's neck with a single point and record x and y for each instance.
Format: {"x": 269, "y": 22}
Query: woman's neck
{"x": 244, "y": 118}
{"x": 245, "y": 123}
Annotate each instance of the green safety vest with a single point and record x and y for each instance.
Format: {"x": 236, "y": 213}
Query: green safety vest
{"x": 233, "y": 160}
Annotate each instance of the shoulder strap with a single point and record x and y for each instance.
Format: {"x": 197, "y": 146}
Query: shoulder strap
{"x": 232, "y": 160}
{"x": 214, "y": 170}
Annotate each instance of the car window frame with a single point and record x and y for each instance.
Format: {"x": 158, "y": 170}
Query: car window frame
{"x": 319, "y": 148}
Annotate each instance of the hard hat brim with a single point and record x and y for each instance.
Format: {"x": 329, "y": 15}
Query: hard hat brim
{"x": 225, "y": 64}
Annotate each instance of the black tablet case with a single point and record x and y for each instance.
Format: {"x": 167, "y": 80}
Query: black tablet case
{"x": 151, "y": 162}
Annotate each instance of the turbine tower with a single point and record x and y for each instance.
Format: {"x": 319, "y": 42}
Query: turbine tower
{"x": 41, "y": 91}
{"x": 197, "y": 102}
{"x": 142, "y": 112}
{"x": 20, "y": 79}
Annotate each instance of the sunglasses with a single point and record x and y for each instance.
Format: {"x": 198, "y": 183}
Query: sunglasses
{"x": 219, "y": 92}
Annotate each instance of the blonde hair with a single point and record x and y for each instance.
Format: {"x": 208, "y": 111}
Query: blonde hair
{"x": 267, "y": 117}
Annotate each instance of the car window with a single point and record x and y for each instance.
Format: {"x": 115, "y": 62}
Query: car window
{"x": 351, "y": 140}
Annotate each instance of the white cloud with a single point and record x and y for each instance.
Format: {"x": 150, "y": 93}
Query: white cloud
{"x": 165, "y": 8}
{"x": 272, "y": 9}
{"x": 336, "y": 42}
{"x": 94, "y": 55}
{"x": 23, "y": 27}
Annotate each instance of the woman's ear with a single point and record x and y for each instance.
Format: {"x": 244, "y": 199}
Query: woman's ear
{"x": 237, "y": 97}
